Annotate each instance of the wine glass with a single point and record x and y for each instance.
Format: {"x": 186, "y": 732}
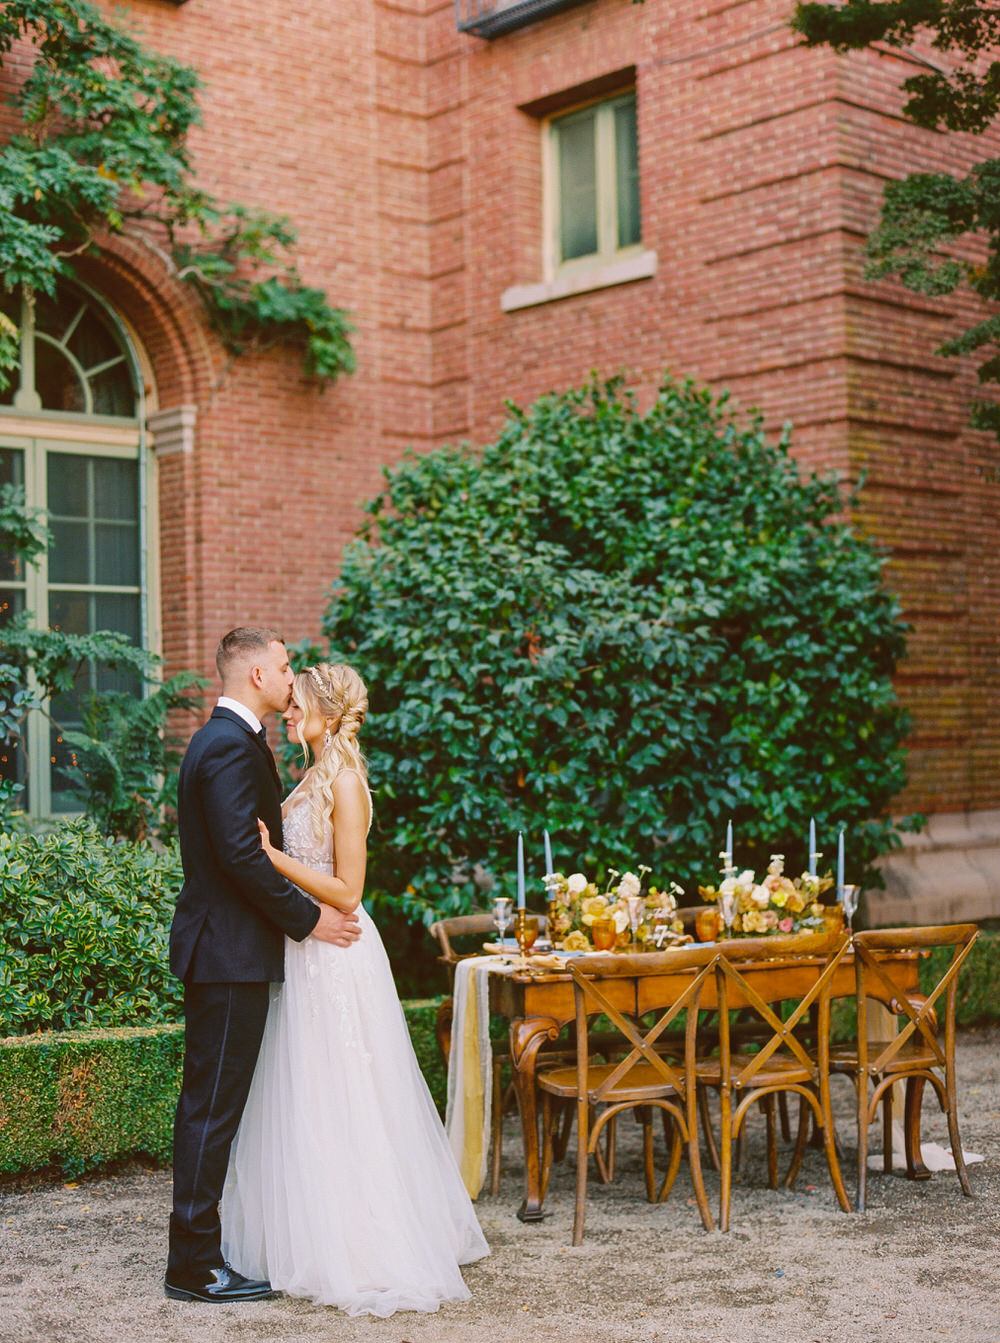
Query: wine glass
{"x": 501, "y": 914}
{"x": 634, "y": 905}
{"x": 849, "y": 899}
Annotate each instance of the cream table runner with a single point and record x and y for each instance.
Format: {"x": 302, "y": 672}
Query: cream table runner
{"x": 470, "y": 1068}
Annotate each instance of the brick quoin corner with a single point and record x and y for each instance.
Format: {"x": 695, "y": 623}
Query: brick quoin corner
{"x": 409, "y": 157}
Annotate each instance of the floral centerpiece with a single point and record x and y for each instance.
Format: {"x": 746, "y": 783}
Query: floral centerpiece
{"x": 582, "y": 916}
{"x": 776, "y": 904}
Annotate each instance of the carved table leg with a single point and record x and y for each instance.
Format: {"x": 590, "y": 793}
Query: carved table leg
{"x": 915, "y": 1168}
{"x": 527, "y": 1035}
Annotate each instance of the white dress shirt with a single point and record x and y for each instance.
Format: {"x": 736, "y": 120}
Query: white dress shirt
{"x": 248, "y": 715}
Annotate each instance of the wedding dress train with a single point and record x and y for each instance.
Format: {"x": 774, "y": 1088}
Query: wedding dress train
{"x": 342, "y": 1186}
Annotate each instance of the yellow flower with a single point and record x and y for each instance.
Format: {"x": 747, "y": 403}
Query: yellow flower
{"x": 795, "y": 903}
{"x": 576, "y": 941}
{"x": 593, "y": 907}
{"x": 779, "y": 899}
{"x": 753, "y": 921}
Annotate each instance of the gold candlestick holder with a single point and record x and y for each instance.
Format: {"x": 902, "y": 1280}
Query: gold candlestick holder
{"x": 524, "y": 940}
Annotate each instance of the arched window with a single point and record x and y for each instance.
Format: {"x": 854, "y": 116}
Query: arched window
{"x": 71, "y": 435}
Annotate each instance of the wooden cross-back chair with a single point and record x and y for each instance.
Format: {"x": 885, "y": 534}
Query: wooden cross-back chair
{"x": 916, "y": 1055}
{"x": 782, "y": 1061}
{"x": 642, "y": 1080}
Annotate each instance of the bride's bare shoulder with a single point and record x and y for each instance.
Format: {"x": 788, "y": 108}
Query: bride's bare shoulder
{"x": 349, "y": 790}
{"x": 351, "y": 798}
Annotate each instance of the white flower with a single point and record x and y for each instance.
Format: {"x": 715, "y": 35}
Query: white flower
{"x": 761, "y": 896}
{"x": 621, "y": 920}
{"x": 629, "y": 885}
{"x": 576, "y": 883}
{"x": 728, "y": 887}
{"x": 745, "y": 878}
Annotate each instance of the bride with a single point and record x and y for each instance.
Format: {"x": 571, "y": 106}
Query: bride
{"x": 341, "y": 1184}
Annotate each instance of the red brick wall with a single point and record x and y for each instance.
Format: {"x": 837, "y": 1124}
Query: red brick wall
{"x": 763, "y": 167}
{"x": 398, "y": 148}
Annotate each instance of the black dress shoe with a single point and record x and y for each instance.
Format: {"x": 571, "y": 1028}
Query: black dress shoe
{"x": 217, "y": 1284}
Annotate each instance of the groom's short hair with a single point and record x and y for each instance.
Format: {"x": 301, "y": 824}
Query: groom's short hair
{"x": 242, "y": 644}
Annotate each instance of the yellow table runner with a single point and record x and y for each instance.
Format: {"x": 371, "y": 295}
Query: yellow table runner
{"x": 470, "y": 1068}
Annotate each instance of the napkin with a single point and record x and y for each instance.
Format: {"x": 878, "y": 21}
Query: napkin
{"x": 935, "y": 1157}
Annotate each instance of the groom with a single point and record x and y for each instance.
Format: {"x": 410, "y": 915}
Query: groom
{"x": 227, "y": 945}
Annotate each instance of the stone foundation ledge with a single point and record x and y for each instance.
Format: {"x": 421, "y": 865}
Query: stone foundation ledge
{"x": 949, "y": 873}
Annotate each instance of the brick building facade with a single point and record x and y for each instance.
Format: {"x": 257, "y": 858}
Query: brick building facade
{"x": 411, "y": 157}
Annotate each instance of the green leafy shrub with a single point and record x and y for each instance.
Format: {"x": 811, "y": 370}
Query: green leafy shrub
{"x": 626, "y": 628}
{"x": 126, "y": 758}
{"x": 84, "y": 926}
{"x": 81, "y": 1099}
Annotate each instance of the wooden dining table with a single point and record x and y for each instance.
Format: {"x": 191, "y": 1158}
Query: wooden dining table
{"x": 539, "y": 1004}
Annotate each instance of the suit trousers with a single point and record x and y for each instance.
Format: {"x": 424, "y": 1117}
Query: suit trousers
{"x": 223, "y": 1029}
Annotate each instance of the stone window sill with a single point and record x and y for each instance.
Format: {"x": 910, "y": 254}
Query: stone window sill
{"x": 582, "y": 280}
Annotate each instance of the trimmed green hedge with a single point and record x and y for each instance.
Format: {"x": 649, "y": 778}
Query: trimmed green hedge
{"x": 80, "y": 1099}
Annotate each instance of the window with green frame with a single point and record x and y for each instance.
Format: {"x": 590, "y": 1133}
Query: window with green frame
{"x": 594, "y": 182}
{"x": 70, "y": 436}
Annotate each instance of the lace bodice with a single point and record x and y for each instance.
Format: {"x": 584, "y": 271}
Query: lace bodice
{"x": 300, "y": 840}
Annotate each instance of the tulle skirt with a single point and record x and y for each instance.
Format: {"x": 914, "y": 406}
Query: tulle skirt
{"x": 341, "y": 1184}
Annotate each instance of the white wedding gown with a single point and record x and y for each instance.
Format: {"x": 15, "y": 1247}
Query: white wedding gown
{"x": 341, "y": 1184}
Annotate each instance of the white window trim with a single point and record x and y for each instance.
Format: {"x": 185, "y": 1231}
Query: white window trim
{"x": 606, "y": 182}
{"x": 635, "y": 265}
{"x": 610, "y": 265}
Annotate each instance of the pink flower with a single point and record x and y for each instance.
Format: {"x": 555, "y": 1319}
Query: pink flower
{"x": 785, "y": 925}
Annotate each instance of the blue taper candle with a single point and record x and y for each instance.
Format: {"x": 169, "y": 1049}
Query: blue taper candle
{"x": 840, "y": 865}
{"x": 520, "y": 870}
{"x": 812, "y": 848}
{"x": 729, "y": 840}
{"x": 548, "y": 854}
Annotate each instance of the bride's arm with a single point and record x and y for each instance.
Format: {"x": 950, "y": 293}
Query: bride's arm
{"x": 350, "y": 844}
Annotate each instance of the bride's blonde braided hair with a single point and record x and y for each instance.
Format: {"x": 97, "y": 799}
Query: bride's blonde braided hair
{"x": 336, "y": 693}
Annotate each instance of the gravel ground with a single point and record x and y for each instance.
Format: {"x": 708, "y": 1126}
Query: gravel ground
{"x": 86, "y": 1263}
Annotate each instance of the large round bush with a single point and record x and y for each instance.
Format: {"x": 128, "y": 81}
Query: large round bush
{"x": 625, "y": 627}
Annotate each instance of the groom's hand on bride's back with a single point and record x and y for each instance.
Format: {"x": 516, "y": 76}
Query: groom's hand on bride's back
{"x": 337, "y": 927}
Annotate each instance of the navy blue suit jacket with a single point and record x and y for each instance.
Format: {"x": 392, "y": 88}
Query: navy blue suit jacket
{"x": 234, "y": 908}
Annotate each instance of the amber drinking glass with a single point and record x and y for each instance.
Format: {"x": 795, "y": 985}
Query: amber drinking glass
{"x": 706, "y": 925}
{"x": 603, "y": 934}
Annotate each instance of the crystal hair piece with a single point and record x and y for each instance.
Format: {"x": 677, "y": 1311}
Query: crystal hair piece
{"x": 317, "y": 680}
